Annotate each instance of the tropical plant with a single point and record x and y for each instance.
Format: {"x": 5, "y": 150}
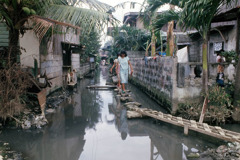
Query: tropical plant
{"x": 150, "y": 18}
{"x": 15, "y": 13}
{"x": 92, "y": 43}
{"x": 230, "y": 55}
{"x": 192, "y": 14}
{"x": 199, "y": 15}
{"x": 130, "y": 38}
{"x": 83, "y": 13}
{"x": 219, "y": 110}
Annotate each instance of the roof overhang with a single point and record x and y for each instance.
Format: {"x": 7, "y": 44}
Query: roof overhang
{"x": 76, "y": 48}
{"x": 229, "y": 15}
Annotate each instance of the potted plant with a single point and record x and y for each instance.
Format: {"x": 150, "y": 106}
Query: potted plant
{"x": 230, "y": 56}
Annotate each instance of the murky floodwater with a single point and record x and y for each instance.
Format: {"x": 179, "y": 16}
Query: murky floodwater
{"x": 92, "y": 125}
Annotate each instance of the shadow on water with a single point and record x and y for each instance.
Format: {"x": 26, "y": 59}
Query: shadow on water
{"x": 92, "y": 125}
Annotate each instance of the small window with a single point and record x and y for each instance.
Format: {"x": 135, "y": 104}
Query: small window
{"x": 218, "y": 46}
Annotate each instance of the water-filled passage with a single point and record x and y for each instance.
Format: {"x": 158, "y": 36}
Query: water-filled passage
{"x": 92, "y": 125}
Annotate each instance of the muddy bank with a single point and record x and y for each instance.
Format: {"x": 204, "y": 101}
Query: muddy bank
{"x": 230, "y": 151}
{"x": 7, "y": 154}
{"x": 30, "y": 120}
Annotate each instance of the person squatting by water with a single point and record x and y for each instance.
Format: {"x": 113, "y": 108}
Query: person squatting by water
{"x": 123, "y": 64}
{"x": 117, "y": 69}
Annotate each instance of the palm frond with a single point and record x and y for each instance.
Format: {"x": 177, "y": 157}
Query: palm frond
{"x": 41, "y": 25}
{"x": 199, "y": 14}
{"x": 84, "y": 18}
{"x": 124, "y": 4}
{"x": 154, "y": 5}
{"x": 164, "y": 18}
{"x": 90, "y": 4}
{"x": 150, "y": 10}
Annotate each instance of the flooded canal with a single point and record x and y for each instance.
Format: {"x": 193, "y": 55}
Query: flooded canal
{"x": 92, "y": 125}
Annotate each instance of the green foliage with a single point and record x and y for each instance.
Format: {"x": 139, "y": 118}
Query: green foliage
{"x": 92, "y": 43}
{"x": 86, "y": 14}
{"x": 130, "y": 38}
{"x": 230, "y": 55}
{"x": 218, "y": 97}
{"x": 164, "y": 18}
{"x": 219, "y": 106}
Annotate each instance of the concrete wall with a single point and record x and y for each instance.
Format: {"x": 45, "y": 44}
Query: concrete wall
{"x": 135, "y": 54}
{"x": 157, "y": 78}
{"x": 139, "y": 23}
{"x": 30, "y": 43}
{"x": 52, "y": 61}
{"x": 76, "y": 63}
{"x": 52, "y": 65}
{"x": 84, "y": 69}
{"x": 228, "y": 30}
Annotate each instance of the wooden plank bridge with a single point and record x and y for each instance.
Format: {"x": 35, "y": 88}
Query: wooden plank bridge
{"x": 102, "y": 87}
{"x": 204, "y": 128}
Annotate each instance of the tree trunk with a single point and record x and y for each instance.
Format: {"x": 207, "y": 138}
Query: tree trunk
{"x": 236, "y": 113}
{"x": 170, "y": 39}
{"x": 170, "y": 36}
{"x": 161, "y": 40}
{"x": 237, "y": 80}
{"x": 153, "y": 44}
{"x": 13, "y": 45}
{"x": 236, "y": 102}
{"x": 205, "y": 75}
{"x": 205, "y": 64}
{"x": 237, "y": 86}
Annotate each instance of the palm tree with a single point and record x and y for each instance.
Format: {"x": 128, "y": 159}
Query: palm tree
{"x": 86, "y": 14}
{"x": 194, "y": 14}
{"x": 150, "y": 17}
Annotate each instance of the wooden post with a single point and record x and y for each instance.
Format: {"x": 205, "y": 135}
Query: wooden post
{"x": 42, "y": 96}
{"x": 204, "y": 108}
{"x": 185, "y": 129}
{"x": 152, "y": 151}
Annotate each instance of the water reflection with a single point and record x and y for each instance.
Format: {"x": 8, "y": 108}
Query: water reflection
{"x": 92, "y": 125}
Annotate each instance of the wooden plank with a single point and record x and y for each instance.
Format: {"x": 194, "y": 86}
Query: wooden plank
{"x": 186, "y": 130}
{"x": 204, "y": 108}
{"x": 180, "y": 120}
{"x": 220, "y": 130}
{"x": 216, "y": 132}
{"x": 193, "y": 123}
{"x": 206, "y": 127}
{"x": 72, "y": 83}
{"x": 101, "y": 86}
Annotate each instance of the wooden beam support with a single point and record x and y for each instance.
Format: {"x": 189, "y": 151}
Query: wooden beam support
{"x": 186, "y": 130}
